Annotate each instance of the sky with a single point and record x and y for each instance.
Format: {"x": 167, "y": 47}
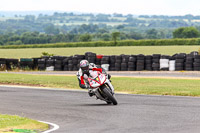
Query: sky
{"x": 136, "y": 7}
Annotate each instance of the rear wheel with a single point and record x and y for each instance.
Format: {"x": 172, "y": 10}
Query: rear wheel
{"x": 110, "y": 96}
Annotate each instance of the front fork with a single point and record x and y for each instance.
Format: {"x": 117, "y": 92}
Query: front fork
{"x": 110, "y": 86}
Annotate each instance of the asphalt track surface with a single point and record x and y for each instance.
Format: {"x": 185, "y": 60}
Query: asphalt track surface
{"x": 76, "y": 112}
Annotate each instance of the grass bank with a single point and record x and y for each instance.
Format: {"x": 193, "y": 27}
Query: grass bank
{"x": 147, "y": 50}
{"x": 152, "y": 86}
{"x": 10, "y": 123}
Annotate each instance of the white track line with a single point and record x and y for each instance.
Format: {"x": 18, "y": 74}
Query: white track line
{"x": 55, "y": 127}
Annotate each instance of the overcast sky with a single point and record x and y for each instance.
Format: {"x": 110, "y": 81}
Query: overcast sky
{"x": 137, "y": 7}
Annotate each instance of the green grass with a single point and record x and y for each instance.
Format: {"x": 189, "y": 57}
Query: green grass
{"x": 153, "y": 86}
{"x": 8, "y": 122}
{"x": 40, "y": 80}
{"x": 147, "y": 50}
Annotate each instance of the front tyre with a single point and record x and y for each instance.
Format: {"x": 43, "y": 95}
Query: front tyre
{"x": 110, "y": 96}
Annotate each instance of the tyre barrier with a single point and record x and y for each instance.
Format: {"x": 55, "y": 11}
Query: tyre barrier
{"x": 2, "y": 64}
{"x": 26, "y": 63}
{"x": 155, "y": 62}
{"x": 172, "y": 65}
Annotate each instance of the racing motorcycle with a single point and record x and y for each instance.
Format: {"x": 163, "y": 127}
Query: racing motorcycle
{"x": 102, "y": 87}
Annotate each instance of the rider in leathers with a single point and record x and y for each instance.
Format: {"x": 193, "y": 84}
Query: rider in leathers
{"x": 85, "y": 71}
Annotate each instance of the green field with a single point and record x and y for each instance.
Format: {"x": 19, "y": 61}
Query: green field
{"x": 152, "y": 86}
{"x": 147, "y": 50}
{"x": 15, "y": 123}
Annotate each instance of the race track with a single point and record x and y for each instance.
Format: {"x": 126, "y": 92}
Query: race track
{"x": 76, "y": 112}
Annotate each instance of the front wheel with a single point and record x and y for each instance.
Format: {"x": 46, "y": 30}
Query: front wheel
{"x": 110, "y": 96}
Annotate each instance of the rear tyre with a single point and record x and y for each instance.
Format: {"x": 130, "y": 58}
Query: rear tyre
{"x": 109, "y": 103}
{"x": 110, "y": 96}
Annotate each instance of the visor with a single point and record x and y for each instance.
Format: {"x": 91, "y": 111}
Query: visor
{"x": 85, "y": 68}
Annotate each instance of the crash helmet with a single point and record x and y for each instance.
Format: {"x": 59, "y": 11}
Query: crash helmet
{"x": 84, "y": 65}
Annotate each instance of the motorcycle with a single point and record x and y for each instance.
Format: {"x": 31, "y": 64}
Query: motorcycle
{"x": 102, "y": 88}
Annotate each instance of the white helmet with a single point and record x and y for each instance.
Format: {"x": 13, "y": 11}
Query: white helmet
{"x": 84, "y": 65}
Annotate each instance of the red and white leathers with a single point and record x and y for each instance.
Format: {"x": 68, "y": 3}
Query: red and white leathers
{"x": 82, "y": 77}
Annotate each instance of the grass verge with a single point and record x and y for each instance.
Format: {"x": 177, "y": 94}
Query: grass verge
{"x": 10, "y": 123}
{"x": 152, "y": 86}
{"x": 147, "y": 50}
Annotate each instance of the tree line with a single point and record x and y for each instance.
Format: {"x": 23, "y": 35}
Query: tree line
{"x": 42, "y": 38}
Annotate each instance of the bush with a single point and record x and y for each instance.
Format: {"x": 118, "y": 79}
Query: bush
{"x": 153, "y": 42}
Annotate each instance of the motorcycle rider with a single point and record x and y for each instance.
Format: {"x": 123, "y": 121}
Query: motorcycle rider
{"x": 85, "y": 71}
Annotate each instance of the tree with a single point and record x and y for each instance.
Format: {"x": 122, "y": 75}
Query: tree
{"x": 85, "y": 38}
{"x": 186, "y": 32}
{"x": 134, "y": 35}
{"x": 120, "y": 27}
{"x": 115, "y": 36}
{"x": 29, "y": 17}
{"x": 152, "y": 34}
{"x": 105, "y": 37}
{"x": 1, "y": 42}
{"x": 51, "y": 29}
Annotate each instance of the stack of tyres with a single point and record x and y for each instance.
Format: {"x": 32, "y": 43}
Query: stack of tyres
{"x": 41, "y": 64}
{"x": 2, "y": 64}
{"x": 46, "y": 57}
{"x": 58, "y": 62}
{"x": 91, "y": 57}
{"x": 35, "y": 62}
{"x": 140, "y": 62}
{"x": 58, "y": 65}
{"x": 124, "y": 64}
{"x": 112, "y": 63}
{"x": 26, "y": 63}
{"x": 105, "y": 61}
{"x": 172, "y": 65}
{"x": 196, "y": 63}
{"x": 156, "y": 62}
{"x": 59, "y": 57}
{"x": 194, "y": 53}
{"x": 118, "y": 61}
{"x": 76, "y": 61}
{"x": 65, "y": 63}
{"x": 180, "y": 62}
{"x": 132, "y": 63}
{"x": 70, "y": 64}
{"x": 189, "y": 62}
{"x": 172, "y": 62}
{"x": 2, "y": 61}
{"x": 12, "y": 64}
{"x": 148, "y": 63}
{"x": 50, "y": 62}
{"x": 164, "y": 63}
{"x": 80, "y": 58}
